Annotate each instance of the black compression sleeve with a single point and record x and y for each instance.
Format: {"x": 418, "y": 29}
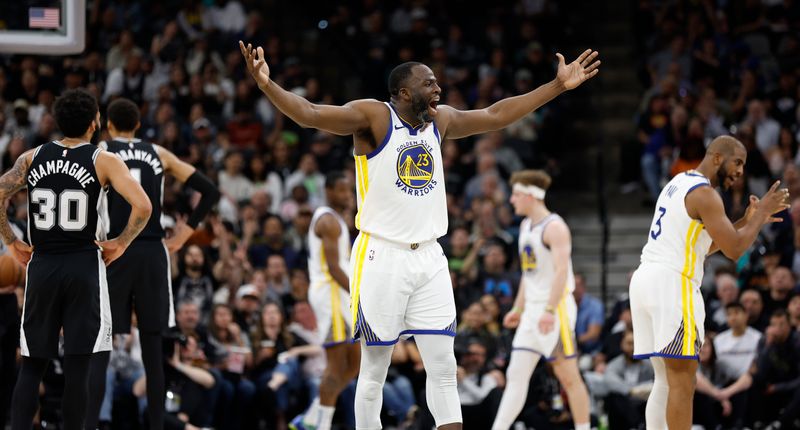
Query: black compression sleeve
{"x": 209, "y": 197}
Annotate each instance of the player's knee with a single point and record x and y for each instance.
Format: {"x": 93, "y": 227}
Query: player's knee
{"x": 369, "y": 390}
{"x": 442, "y": 369}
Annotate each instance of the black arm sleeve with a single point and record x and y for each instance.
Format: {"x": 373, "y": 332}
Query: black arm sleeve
{"x": 209, "y": 197}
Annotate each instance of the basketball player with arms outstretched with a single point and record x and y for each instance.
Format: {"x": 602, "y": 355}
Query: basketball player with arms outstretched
{"x": 544, "y": 312}
{"x": 66, "y": 266}
{"x": 141, "y": 278}
{"x": 400, "y": 283}
{"x": 666, "y": 303}
{"x": 328, "y": 267}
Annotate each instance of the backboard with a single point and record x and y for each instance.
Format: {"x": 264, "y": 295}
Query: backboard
{"x": 49, "y": 27}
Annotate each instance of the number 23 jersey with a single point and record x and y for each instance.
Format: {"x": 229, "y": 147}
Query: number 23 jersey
{"x": 676, "y": 240}
{"x": 400, "y": 185}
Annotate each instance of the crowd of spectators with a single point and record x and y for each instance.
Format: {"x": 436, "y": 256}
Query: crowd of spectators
{"x": 244, "y": 352}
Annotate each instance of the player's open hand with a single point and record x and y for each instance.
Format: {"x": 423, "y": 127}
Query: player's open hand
{"x": 774, "y": 201}
{"x": 21, "y": 251}
{"x": 256, "y": 65}
{"x": 751, "y": 210}
{"x": 546, "y": 322}
{"x": 577, "y": 72}
{"x": 511, "y": 320}
{"x": 111, "y": 249}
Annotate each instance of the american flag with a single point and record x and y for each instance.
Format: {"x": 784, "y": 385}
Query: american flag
{"x": 44, "y": 17}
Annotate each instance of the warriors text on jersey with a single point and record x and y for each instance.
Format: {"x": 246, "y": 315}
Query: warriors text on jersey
{"x": 400, "y": 185}
{"x": 145, "y": 166}
{"x": 63, "y": 196}
{"x": 676, "y": 240}
{"x": 536, "y": 261}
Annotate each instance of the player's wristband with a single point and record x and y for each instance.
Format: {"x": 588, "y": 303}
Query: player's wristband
{"x": 516, "y": 309}
{"x": 550, "y": 309}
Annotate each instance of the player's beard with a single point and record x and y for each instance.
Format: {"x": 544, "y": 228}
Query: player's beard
{"x": 419, "y": 105}
{"x": 722, "y": 176}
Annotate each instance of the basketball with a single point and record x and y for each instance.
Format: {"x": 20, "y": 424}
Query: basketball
{"x": 11, "y": 272}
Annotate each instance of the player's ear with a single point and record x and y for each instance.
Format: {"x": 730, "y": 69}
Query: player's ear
{"x": 138, "y": 124}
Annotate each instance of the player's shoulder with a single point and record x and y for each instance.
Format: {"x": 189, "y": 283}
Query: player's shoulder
{"x": 367, "y": 106}
{"x": 555, "y": 225}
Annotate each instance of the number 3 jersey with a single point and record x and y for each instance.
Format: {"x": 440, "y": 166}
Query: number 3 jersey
{"x": 676, "y": 240}
{"x": 63, "y": 197}
{"x": 145, "y": 166}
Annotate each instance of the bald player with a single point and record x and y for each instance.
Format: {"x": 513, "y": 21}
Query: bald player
{"x": 666, "y": 303}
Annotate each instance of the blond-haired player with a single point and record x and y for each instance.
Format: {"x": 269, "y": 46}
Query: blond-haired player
{"x": 544, "y": 312}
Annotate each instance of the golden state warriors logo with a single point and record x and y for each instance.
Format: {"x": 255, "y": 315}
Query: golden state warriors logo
{"x": 527, "y": 259}
{"x": 415, "y": 166}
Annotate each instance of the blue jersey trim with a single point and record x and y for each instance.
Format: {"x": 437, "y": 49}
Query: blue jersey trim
{"x": 385, "y": 139}
{"x": 450, "y": 333}
{"x": 327, "y": 345}
{"x": 662, "y": 355}
{"x": 436, "y": 132}
{"x": 697, "y": 175}
{"x": 411, "y": 129}
{"x": 519, "y": 348}
{"x": 704, "y": 184}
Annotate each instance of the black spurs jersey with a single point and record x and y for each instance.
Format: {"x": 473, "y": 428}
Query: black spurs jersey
{"x": 145, "y": 166}
{"x": 63, "y": 197}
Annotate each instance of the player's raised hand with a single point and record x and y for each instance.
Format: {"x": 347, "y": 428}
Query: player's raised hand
{"x": 511, "y": 320}
{"x": 774, "y": 201}
{"x": 21, "y": 251}
{"x": 256, "y": 65}
{"x": 577, "y": 72}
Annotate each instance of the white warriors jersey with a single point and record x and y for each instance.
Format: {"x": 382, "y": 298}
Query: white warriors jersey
{"x": 536, "y": 261}
{"x": 317, "y": 262}
{"x": 400, "y": 185}
{"x": 676, "y": 240}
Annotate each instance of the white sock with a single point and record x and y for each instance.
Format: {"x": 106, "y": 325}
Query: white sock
{"x": 311, "y": 416}
{"x": 325, "y": 417}
{"x": 518, "y": 376}
{"x": 656, "y": 410}
{"x": 584, "y": 426}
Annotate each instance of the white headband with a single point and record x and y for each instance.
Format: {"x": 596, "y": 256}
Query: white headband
{"x": 531, "y": 190}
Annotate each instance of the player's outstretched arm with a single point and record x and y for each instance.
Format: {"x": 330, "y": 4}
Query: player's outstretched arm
{"x": 705, "y": 204}
{"x": 341, "y": 120}
{"x": 11, "y": 182}
{"x": 328, "y": 229}
{"x": 457, "y": 124}
{"x": 209, "y": 195}
{"x": 113, "y": 171}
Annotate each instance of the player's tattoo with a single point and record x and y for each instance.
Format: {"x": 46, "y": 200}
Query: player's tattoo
{"x": 134, "y": 227}
{"x": 11, "y": 182}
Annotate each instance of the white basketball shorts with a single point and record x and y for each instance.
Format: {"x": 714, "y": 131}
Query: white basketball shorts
{"x": 331, "y": 305}
{"x": 399, "y": 290}
{"x": 559, "y": 342}
{"x": 668, "y": 312}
